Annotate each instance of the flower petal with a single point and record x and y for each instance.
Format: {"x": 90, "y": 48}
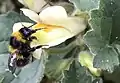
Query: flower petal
{"x": 22, "y": 1}
{"x": 19, "y": 25}
{"x": 37, "y": 53}
{"x": 31, "y": 14}
{"x": 74, "y": 24}
{"x": 52, "y": 37}
{"x": 53, "y": 13}
{"x": 34, "y": 5}
{"x": 38, "y": 4}
{"x": 56, "y": 15}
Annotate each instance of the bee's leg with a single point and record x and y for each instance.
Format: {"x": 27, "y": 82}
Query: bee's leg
{"x": 37, "y": 47}
{"x": 8, "y": 70}
{"x": 26, "y": 32}
{"x": 33, "y": 59}
{"x": 31, "y": 38}
{"x": 15, "y": 75}
{"x": 39, "y": 29}
{"x": 34, "y": 48}
{"x": 35, "y": 30}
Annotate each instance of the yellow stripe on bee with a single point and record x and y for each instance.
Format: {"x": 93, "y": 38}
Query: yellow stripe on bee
{"x": 47, "y": 27}
{"x": 11, "y": 50}
{"x": 18, "y": 36}
{"x": 20, "y": 57}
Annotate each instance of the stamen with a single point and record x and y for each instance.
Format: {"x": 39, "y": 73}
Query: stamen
{"x": 46, "y": 27}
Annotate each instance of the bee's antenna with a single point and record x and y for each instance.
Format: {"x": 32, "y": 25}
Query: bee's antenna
{"x": 21, "y": 22}
{"x": 44, "y": 5}
{"x": 24, "y": 25}
{"x": 20, "y": 19}
{"x": 31, "y": 25}
{"x": 37, "y": 47}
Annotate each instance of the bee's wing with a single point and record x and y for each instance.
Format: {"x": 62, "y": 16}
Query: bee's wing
{"x": 12, "y": 63}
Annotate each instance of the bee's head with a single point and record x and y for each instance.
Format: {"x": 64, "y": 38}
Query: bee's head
{"x": 26, "y": 32}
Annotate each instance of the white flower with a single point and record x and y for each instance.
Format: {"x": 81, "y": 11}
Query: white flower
{"x": 34, "y": 5}
{"x": 59, "y": 27}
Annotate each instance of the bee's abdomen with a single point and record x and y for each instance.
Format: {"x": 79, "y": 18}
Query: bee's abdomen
{"x": 22, "y": 62}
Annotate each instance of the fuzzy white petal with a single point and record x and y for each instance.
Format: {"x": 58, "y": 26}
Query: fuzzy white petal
{"x": 34, "y": 5}
{"x": 53, "y": 13}
{"x": 22, "y": 1}
{"x": 56, "y": 15}
{"x": 74, "y": 24}
{"x": 31, "y": 14}
{"x": 37, "y": 53}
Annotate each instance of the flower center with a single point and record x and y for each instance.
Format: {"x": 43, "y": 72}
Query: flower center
{"x": 47, "y": 27}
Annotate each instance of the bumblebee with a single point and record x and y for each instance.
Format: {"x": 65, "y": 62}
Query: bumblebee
{"x": 19, "y": 47}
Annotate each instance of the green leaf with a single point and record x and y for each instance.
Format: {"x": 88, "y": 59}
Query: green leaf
{"x": 31, "y": 73}
{"x": 55, "y": 67}
{"x": 60, "y": 58}
{"x": 77, "y": 74}
{"x": 85, "y": 5}
{"x": 113, "y": 77}
{"x": 105, "y": 24}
